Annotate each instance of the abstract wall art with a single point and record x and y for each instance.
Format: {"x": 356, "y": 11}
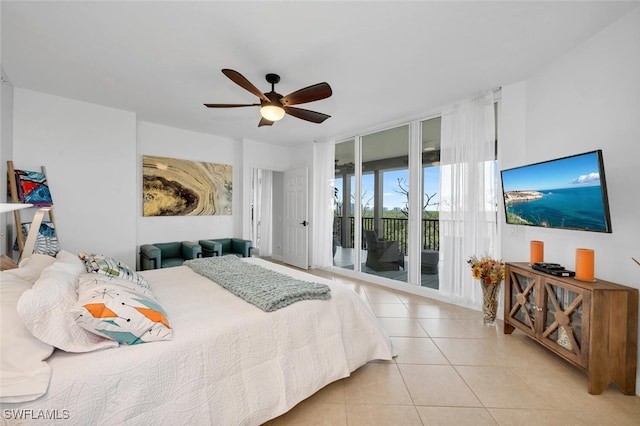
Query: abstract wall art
{"x": 173, "y": 187}
{"x": 33, "y": 188}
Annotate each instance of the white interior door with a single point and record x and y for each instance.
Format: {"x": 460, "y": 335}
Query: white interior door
{"x": 296, "y": 229}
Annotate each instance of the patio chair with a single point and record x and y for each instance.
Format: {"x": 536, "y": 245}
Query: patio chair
{"x": 382, "y": 255}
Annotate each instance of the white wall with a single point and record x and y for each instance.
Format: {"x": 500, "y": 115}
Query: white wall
{"x": 588, "y": 99}
{"x": 6, "y": 153}
{"x": 89, "y": 152}
{"x": 259, "y": 155}
{"x": 164, "y": 141}
{"x": 93, "y": 157}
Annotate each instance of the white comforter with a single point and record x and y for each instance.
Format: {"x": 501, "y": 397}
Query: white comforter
{"x": 229, "y": 363}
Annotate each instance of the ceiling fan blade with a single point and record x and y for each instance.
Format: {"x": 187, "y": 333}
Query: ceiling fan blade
{"x": 241, "y": 81}
{"x": 305, "y": 114}
{"x": 264, "y": 122}
{"x": 308, "y": 94}
{"x": 229, "y": 105}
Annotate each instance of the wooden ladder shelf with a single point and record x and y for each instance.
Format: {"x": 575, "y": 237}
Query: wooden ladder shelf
{"x": 29, "y": 243}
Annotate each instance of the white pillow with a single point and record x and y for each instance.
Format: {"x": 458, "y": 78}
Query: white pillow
{"x": 121, "y": 313}
{"x": 91, "y": 279}
{"x": 70, "y": 262}
{"x": 111, "y": 267}
{"x": 24, "y": 374}
{"x": 45, "y": 309}
{"x": 31, "y": 267}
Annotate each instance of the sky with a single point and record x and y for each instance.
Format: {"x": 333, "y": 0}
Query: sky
{"x": 582, "y": 169}
{"x": 392, "y": 198}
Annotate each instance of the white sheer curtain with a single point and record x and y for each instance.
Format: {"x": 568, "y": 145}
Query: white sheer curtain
{"x": 468, "y": 196}
{"x": 322, "y": 224}
{"x": 263, "y": 205}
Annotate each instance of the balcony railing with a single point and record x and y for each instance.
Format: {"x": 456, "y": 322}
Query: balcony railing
{"x": 395, "y": 229}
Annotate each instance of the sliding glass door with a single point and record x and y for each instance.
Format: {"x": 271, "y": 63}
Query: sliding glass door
{"x": 430, "y": 262}
{"x": 384, "y": 200}
{"x": 370, "y": 228}
{"x": 373, "y": 207}
{"x": 388, "y": 204}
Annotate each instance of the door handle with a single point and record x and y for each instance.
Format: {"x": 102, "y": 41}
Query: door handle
{"x": 304, "y": 223}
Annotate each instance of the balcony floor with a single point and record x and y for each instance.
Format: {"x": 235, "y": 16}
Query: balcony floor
{"x": 344, "y": 259}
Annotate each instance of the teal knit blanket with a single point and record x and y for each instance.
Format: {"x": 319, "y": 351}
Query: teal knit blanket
{"x": 268, "y": 290}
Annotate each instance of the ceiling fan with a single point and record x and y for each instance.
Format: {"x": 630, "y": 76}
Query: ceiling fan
{"x": 273, "y": 105}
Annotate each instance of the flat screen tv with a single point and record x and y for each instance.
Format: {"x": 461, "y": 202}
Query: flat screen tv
{"x": 565, "y": 193}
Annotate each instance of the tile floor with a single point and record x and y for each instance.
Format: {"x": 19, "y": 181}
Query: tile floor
{"x": 451, "y": 369}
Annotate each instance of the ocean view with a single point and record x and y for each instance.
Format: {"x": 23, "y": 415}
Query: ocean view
{"x": 576, "y": 207}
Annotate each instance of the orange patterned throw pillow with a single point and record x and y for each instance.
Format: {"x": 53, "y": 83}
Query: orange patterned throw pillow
{"x": 120, "y": 312}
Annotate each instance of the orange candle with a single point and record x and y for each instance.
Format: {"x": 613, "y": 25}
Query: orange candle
{"x": 584, "y": 264}
{"x": 536, "y": 252}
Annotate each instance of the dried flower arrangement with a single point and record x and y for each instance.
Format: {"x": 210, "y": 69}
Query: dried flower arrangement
{"x": 487, "y": 269}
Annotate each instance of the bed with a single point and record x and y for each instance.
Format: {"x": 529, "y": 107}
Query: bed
{"x": 228, "y": 362}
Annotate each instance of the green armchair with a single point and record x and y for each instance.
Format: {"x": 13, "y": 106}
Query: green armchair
{"x": 224, "y": 246}
{"x": 166, "y": 255}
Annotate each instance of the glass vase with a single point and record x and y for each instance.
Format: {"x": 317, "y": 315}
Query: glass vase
{"x": 489, "y": 302}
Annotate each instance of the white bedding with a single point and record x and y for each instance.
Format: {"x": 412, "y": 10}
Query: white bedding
{"x": 229, "y": 362}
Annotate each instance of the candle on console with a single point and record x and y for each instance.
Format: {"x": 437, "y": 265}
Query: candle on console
{"x": 536, "y": 252}
{"x": 585, "y": 264}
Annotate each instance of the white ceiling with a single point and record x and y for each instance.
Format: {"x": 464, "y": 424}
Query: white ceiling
{"x": 385, "y": 60}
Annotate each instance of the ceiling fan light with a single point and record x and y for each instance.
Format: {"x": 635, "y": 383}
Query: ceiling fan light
{"x": 272, "y": 112}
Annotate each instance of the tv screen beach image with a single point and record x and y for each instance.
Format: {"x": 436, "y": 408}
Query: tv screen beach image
{"x": 567, "y": 193}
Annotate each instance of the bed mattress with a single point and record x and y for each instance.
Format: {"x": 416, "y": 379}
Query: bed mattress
{"x": 229, "y": 362}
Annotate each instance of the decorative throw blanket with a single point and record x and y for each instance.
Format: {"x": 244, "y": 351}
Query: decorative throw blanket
{"x": 267, "y": 289}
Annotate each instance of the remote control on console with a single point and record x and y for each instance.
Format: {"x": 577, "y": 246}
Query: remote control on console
{"x": 553, "y": 266}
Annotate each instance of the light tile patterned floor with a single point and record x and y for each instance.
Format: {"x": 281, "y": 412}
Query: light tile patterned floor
{"x": 453, "y": 370}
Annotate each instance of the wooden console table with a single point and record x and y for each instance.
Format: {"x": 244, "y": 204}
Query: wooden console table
{"x": 593, "y": 325}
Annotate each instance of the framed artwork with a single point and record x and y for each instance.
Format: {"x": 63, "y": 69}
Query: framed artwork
{"x": 33, "y": 188}
{"x": 173, "y": 187}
